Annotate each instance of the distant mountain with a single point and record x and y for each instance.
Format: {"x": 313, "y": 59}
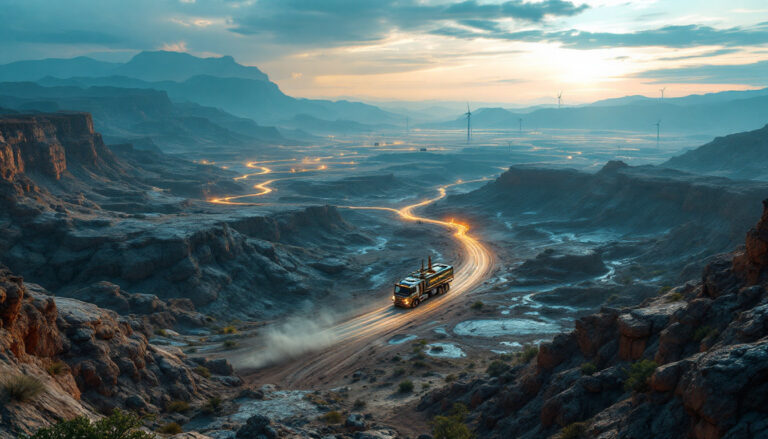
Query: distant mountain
{"x": 125, "y": 114}
{"x": 738, "y": 156}
{"x": 62, "y": 68}
{"x": 179, "y": 66}
{"x": 714, "y": 117}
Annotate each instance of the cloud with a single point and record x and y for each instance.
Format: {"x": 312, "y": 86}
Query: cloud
{"x": 179, "y": 46}
{"x": 709, "y": 54}
{"x": 755, "y": 74}
{"x": 339, "y": 22}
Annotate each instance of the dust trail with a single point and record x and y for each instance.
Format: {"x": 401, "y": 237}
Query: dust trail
{"x": 292, "y": 338}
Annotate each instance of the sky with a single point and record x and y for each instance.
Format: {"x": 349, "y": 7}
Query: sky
{"x": 516, "y": 51}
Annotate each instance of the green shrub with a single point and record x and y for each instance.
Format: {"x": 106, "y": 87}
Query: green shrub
{"x": 425, "y": 386}
{"x": 577, "y": 430}
{"x": 57, "y": 368}
{"x": 638, "y": 375}
{"x": 400, "y": 371}
{"x": 405, "y": 386}
{"x": 496, "y": 368}
{"x": 703, "y": 332}
{"x": 477, "y": 306}
{"x": 449, "y": 378}
{"x": 177, "y": 406}
{"x": 230, "y": 344}
{"x": 22, "y": 388}
{"x": 358, "y": 405}
{"x": 213, "y": 405}
{"x": 452, "y": 426}
{"x": 588, "y": 368}
{"x": 664, "y": 290}
{"x": 202, "y": 371}
{"x": 527, "y": 354}
{"x": 118, "y": 425}
{"x": 161, "y": 332}
{"x": 674, "y": 297}
{"x": 170, "y": 428}
{"x": 228, "y": 330}
{"x": 332, "y": 417}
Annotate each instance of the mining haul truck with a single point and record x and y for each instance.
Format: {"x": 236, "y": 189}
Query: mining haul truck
{"x": 423, "y": 284}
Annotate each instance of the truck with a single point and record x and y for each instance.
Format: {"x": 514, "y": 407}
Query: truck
{"x": 422, "y": 284}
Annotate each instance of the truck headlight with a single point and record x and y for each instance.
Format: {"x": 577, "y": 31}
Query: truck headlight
{"x": 393, "y": 298}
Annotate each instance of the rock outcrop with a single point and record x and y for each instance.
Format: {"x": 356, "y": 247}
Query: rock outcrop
{"x": 692, "y": 362}
{"x": 88, "y": 359}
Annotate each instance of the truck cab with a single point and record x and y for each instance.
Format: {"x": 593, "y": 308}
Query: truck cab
{"x": 422, "y": 284}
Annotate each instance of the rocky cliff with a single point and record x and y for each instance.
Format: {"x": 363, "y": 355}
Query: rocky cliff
{"x": 692, "y": 362}
{"x": 89, "y": 360}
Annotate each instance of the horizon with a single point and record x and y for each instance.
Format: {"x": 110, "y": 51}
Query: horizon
{"x": 512, "y": 52}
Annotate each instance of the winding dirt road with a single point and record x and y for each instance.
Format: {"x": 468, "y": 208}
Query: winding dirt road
{"x": 351, "y": 339}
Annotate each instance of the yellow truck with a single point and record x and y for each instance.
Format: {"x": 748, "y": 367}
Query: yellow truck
{"x": 422, "y": 284}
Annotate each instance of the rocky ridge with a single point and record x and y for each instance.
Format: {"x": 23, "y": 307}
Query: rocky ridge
{"x": 703, "y": 345}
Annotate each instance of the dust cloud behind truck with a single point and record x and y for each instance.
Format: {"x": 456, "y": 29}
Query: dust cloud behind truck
{"x": 423, "y": 284}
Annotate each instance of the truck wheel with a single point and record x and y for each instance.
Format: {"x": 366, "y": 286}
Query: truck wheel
{"x": 415, "y": 303}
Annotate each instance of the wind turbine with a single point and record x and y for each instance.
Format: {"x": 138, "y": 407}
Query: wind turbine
{"x": 520, "y": 121}
{"x": 662, "y": 93}
{"x": 658, "y": 130}
{"x": 559, "y": 98}
{"x": 469, "y": 117}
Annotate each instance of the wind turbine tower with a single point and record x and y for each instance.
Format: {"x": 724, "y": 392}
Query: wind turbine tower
{"x": 559, "y": 98}
{"x": 658, "y": 131}
{"x": 520, "y": 121}
{"x": 469, "y": 117}
{"x": 662, "y": 93}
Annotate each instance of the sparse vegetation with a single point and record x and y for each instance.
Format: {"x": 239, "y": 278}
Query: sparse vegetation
{"x": 577, "y": 430}
{"x": 452, "y": 426}
{"x": 170, "y": 429}
{"x": 405, "y": 386}
{"x": 425, "y": 386}
{"x": 177, "y": 406}
{"x": 400, "y": 371}
{"x": 359, "y": 404}
{"x": 612, "y": 298}
{"x": 588, "y": 368}
{"x": 118, "y": 425}
{"x": 638, "y": 375}
{"x": 332, "y": 417}
{"x": 22, "y": 388}
{"x": 202, "y": 371}
{"x": 228, "y": 330}
{"x": 497, "y": 368}
{"x": 450, "y": 378}
{"x": 528, "y": 353}
{"x": 213, "y": 405}
{"x": 703, "y": 332}
{"x": 674, "y": 297}
{"x": 477, "y": 306}
{"x": 161, "y": 332}
{"x": 230, "y": 344}
{"x": 664, "y": 290}
{"x": 57, "y": 368}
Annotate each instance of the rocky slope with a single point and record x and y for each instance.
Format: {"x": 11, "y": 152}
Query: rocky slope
{"x": 692, "y": 362}
{"x": 89, "y": 360}
{"x": 739, "y": 156}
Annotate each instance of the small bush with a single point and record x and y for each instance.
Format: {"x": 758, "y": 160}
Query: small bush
{"x": 228, "y": 330}
{"x": 425, "y": 386}
{"x": 450, "y": 378}
{"x": 528, "y": 353}
{"x": 638, "y": 375}
{"x": 22, "y": 388}
{"x": 358, "y": 405}
{"x": 400, "y": 371}
{"x": 332, "y": 417}
{"x": 496, "y": 368}
{"x": 477, "y": 306}
{"x": 452, "y": 426}
{"x": 177, "y": 406}
{"x": 577, "y": 430}
{"x": 703, "y": 332}
{"x": 405, "y": 386}
{"x": 57, "y": 368}
{"x": 664, "y": 290}
{"x": 161, "y": 332}
{"x": 674, "y": 297}
{"x": 202, "y": 371}
{"x": 213, "y": 405}
{"x": 118, "y": 425}
{"x": 588, "y": 368}
{"x": 170, "y": 428}
{"x": 230, "y": 344}
{"x": 396, "y": 359}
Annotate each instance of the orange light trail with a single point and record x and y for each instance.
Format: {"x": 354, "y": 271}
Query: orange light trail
{"x": 263, "y": 190}
{"x": 264, "y": 170}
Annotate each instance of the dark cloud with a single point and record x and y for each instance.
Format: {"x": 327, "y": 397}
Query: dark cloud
{"x": 748, "y": 74}
{"x": 669, "y": 36}
{"x": 351, "y": 21}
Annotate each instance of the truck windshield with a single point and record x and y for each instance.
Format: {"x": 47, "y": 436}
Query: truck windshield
{"x": 403, "y": 291}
